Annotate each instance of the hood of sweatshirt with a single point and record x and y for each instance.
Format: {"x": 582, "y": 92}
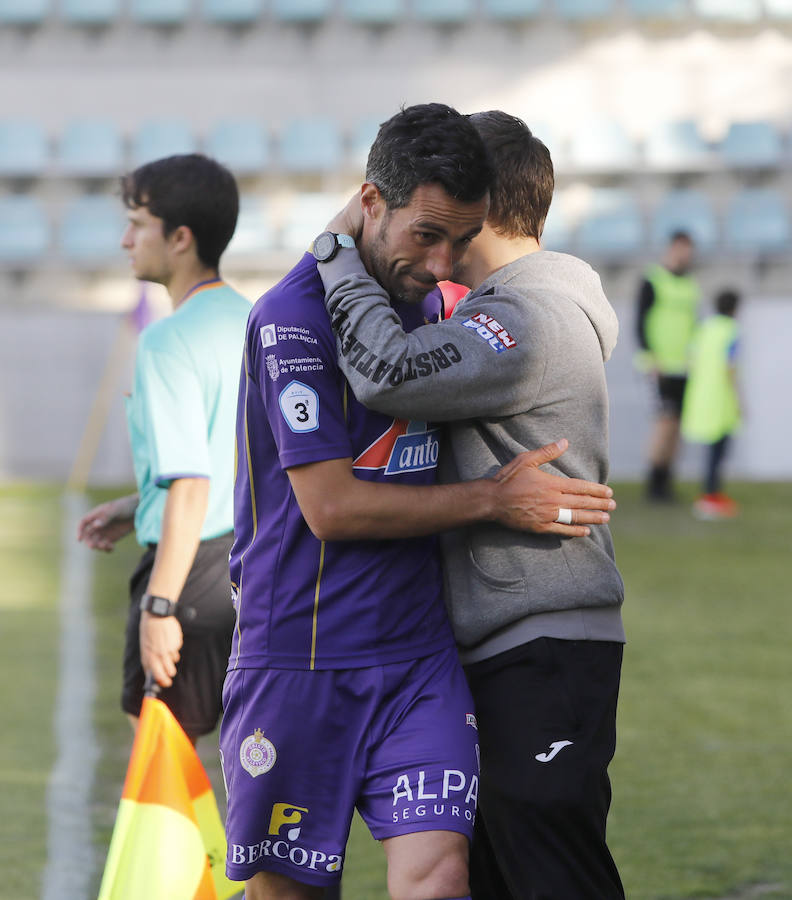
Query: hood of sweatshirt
{"x": 560, "y": 274}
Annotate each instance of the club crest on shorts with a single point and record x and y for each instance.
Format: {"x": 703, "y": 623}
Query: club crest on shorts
{"x": 470, "y": 719}
{"x": 257, "y": 754}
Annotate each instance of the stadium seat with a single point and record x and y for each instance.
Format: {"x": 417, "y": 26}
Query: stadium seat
{"x": 685, "y": 210}
{"x": 373, "y": 12}
{"x": 602, "y": 146}
{"x": 778, "y": 9}
{"x": 757, "y": 221}
{"x": 728, "y": 10}
{"x": 557, "y": 234}
{"x": 677, "y": 146}
{"x": 24, "y": 230}
{"x": 254, "y": 235}
{"x": 90, "y": 12}
{"x": 24, "y": 12}
{"x": 443, "y": 11}
{"x": 657, "y": 9}
{"x": 91, "y": 229}
{"x": 24, "y": 149}
{"x": 583, "y": 10}
{"x": 162, "y": 137}
{"x": 310, "y": 145}
{"x": 301, "y": 11}
{"x": 232, "y": 12}
{"x": 512, "y": 10}
{"x": 306, "y": 216}
{"x": 160, "y": 12}
{"x": 611, "y": 226}
{"x": 91, "y": 148}
{"x": 751, "y": 145}
{"x": 240, "y": 144}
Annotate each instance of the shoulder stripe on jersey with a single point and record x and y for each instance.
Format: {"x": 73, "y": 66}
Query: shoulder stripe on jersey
{"x": 253, "y": 510}
{"x": 315, "y": 624}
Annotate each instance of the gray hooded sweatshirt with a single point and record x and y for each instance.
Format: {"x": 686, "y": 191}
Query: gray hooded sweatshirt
{"x": 519, "y": 364}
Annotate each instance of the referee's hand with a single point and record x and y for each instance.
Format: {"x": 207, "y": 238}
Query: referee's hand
{"x": 161, "y": 639}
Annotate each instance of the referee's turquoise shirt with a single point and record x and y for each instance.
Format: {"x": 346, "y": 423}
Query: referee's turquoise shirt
{"x": 182, "y": 411}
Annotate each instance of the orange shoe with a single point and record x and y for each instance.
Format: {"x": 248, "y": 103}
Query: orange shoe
{"x": 710, "y": 507}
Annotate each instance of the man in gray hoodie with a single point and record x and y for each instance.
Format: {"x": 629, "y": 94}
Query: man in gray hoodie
{"x": 536, "y": 616}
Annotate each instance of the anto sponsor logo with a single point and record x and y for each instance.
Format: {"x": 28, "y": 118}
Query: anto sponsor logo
{"x": 404, "y": 447}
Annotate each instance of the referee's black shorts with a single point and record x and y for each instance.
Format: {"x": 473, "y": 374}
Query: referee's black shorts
{"x": 207, "y": 618}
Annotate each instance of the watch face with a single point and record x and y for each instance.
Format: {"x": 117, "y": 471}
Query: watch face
{"x": 324, "y": 246}
{"x": 159, "y": 606}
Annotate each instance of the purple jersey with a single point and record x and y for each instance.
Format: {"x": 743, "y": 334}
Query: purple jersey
{"x": 303, "y": 603}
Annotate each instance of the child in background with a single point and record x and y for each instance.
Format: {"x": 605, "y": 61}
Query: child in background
{"x": 711, "y": 409}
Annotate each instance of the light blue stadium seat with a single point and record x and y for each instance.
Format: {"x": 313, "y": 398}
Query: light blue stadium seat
{"x": 728, "y": 10}
{"x": 91, "y": 229}
{"x": 685, "y": 210}
{"x": 160, "y": 12}
{"x": 446, "y": 11}
{"x": 162, "y": 137}
{"x": 557, "y": 233}
{"x": 310, "y": 145}
{"x": 232, "y": 12}
{"x": 612, "y": 226}
{"x": 757, "y": 221}
{"x": 657, "y": 9}
{"x": 24, "y": 149}
{"x": 240, "y": 144}
{"x": 362, "y": 139}
{"x": 90, "y": 12}
{"x": 602, "y": 145}
{"x": 778, "y": 9}
{"x": 303, "y": 11}
{"x": 24, "y": 12}
{"x": 254, "y": 235}
{"x": 512, "y": 10}
{"x": 307, "y": 214}
{"x": 373, "y": 12}
{"x": 91, "y": 148}
{"x": 24, "y": 230}
{"x": 583, "y": 10}
{"x": 750, "y": 145}
{"x": 677, "y": 146}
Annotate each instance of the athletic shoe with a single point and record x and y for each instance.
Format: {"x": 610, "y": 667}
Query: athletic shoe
{"x": 715, "y": 506}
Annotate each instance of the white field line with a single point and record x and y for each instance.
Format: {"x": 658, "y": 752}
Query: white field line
{"x": 70, "y": 852}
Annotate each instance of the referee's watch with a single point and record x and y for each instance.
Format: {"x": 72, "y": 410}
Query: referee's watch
{"x": 325, "y": 247}
{"x": 157, "y": 606}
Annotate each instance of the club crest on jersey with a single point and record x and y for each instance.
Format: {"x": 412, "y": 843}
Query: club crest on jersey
{"x": 404, "y": 447}
{"x": 257, "y": 754}
{"x": 491, "y": 331}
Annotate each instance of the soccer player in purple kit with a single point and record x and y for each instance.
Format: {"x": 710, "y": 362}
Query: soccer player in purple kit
{"x": 344, "y": 689}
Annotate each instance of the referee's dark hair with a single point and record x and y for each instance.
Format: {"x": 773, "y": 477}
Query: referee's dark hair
{"x": 524, "y": 179}
{"x": 188, "y": 189}
{"x": 429, "y": 143}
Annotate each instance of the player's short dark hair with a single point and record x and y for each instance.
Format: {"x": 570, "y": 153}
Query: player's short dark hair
{"x": 726, "y": 302}
{"x": 188, "y": 189}
{"x": 429, "y": 143}
{"x": 680, "y": 235}
{"x": 524, "y": 179}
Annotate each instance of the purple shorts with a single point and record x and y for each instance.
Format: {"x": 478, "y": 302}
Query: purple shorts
{"x": 302, "y": 749}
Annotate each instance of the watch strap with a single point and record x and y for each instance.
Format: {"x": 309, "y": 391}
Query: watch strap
{"x": 158, "y": 606}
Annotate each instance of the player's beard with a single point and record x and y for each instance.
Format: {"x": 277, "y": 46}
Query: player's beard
{"x": 400, "y": 284}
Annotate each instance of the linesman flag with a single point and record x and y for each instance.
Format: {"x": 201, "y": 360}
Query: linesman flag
{"x": 168, "y": 841}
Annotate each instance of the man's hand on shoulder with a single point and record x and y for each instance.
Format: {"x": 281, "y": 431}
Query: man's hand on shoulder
{"x": 161, "y": 639}
{"x": 529, "y": 499}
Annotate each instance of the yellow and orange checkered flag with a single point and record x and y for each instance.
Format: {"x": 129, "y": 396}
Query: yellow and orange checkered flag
{"x": 168, "y": 841}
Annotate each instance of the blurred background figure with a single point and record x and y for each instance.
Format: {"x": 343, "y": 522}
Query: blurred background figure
{"x": 711, "y": 406}
{"x": 667, "y": 304}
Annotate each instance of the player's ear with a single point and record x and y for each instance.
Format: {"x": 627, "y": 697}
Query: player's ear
{"x": 371, "y": 201}
{"x": 181, "y": 239}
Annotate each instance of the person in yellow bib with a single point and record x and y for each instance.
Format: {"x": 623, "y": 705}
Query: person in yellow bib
{"x": 711, "y": 407}
{"x": 667, "y": 308}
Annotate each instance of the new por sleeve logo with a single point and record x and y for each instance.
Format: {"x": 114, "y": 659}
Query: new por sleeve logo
{"x": 299, "y": 406}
